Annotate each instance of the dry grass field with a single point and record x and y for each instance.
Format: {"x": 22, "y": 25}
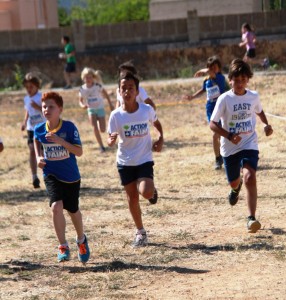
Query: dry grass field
{"x": 199, "y": 246}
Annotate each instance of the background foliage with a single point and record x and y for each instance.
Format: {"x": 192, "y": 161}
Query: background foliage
{"x": 105, "y": 12}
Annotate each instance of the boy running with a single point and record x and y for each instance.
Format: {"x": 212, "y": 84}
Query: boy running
{"x": 61, "y": 144}
{"x": 237, "y": 110}
{"x": 130, "y": 122}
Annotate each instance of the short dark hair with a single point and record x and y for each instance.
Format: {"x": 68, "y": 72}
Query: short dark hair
{"x": 54, "y": 96}
{"x": 239, "y": 67}
{"x": 127, "y": 66}
{"x": 213, "y": 60}
{"x": 31, "y": 78}
{"x": 66, "y": 38}
{"x": 128, "y": 76}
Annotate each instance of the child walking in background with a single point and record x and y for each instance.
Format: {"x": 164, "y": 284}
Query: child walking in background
{"x": 248, "y": 41}
{"x": 142, "y": 96}
{"x": 61, "y": 143}
{"x": 237, "y": 110}
{"x": 33, "y": 116}
{"x": 130, "y": 122}
{"x": 1, "y": 145}
{"x": 69, "y": 56}
{"x": 214, "y": 85}
{"x": 91, "y": 97}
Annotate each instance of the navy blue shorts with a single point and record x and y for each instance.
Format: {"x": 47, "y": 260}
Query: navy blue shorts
{"x": 251, "y": 53}
{"x": 234, "y": 163}
{"x": 70, "y": 67}
{"x": 30, "y": 136}
{"x": 129, "y": 174}
{"x": 67, "y": 192}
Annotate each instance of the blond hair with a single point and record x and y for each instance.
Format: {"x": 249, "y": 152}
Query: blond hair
{"x": 96, "y": 74}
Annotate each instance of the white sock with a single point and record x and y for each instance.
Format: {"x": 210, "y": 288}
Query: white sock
{"x": 80, "y": 241}
{"x": 141, "y": 231}
{"x": 34, "y": 176}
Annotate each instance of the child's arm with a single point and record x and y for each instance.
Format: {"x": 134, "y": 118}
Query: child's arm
{"x": 24, "y": 124}
{"x": 106, "y": 96}
{"x": 232, "y": 137}
{"x": 74, "y": 149}
{"x": 36, "y": 106}
{"x": 81, "y": 103}
{"x": 158, "y": 145}
{"x": 267, "y": 128}
{"x": 150, "y": 102}
{"x": 195, "y": 95}
{"x": 201, "y": 72}
{"x": 39, "y": 155}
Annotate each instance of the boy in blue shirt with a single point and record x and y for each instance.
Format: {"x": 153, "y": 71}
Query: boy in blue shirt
{"x": 57, "y": 143}
{"x": 214, "y": 85}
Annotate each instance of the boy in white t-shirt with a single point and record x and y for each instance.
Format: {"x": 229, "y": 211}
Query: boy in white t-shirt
{"x": 33, "y": 116}
{"x": 142, "y": 96}
{"x": 130, "y": 122}
{"x": 237, "y": 110}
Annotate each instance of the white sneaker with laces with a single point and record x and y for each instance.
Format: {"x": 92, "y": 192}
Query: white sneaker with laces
{"x": 140, "y": 240}
{"x": 253, "y": 226}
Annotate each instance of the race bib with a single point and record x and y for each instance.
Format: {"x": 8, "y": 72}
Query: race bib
{"x": 55, "y": 152}
{"x": 213, "y": 92}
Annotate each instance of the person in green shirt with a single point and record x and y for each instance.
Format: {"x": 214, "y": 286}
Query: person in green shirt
{"x": 69, "y": 55}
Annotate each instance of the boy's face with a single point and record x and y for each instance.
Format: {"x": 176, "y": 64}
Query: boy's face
{"x": 51, "y": 110}
{"x": 214, "y": 69}
{"x": 31, "y": 89}
{"x": 128, "y": 90}
{"x": 239, "y": 84}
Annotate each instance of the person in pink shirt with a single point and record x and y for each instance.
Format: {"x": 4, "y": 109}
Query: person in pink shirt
{"x": 248, "y": 41}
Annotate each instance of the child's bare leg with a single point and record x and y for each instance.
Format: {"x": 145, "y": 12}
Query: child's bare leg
{"x": 146, "y": 187}
{"x": 67, "y": 78}
{"x": 93, "y": 121}
{"x": 59, "y": 221}
{"x": 249, "y": 178}
{"x": 102, "y": 124}
{"x": 77, "y": 223}
{"x": 133, "y": 202}
{"x": 32, "y": 158}
{"x": 216, "y": 144}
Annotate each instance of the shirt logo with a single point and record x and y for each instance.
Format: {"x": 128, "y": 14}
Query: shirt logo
{"x": 135, "y": 130}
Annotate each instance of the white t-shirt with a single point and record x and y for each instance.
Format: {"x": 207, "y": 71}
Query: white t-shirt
{"x": 135, "y": 144}
{"x": 238, "y": 115}
{"x": 35, "y": 116}
{"x": 140, "y": 98}
{"x": 92, "y": 96}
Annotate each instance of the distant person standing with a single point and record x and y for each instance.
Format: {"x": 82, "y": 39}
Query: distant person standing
{"x": 1, "y": 145}
{"x": 69, "y": 55}
{"x": 248, "y": 41}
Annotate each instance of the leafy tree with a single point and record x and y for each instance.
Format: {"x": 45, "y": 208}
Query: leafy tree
{"x": 106, "y": 11}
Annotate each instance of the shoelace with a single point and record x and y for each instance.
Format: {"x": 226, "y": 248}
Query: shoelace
{"x": 63, "y": 249}
{"x": 82, "y": 249}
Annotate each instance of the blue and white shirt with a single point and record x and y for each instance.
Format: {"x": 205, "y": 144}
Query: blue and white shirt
{"x": 59, "y": 161}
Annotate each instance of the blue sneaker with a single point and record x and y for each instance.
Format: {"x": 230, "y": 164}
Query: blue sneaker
{"x": 83, "y": 251}
{"x": 63, "y": 253}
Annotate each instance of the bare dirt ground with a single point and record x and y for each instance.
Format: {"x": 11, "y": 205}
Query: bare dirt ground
{"x": 199, "y": 246}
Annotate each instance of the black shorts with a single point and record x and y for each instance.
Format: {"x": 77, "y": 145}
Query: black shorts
{"x": 67, "y": 192}
{"x": 129, "y": 174}
{"x": 250, "y": 53}
{"x": 30, "y": 136}
{"x": 70, "y": 67}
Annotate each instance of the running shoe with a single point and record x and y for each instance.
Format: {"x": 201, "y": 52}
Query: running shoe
{"x": 154, "y": 199}
{"x": 83, "y": 251}
{"x": 63, "y": 253}
{"x": 233, "y": 194}
{"x": 36, "y": 183}
{"x": 140, "y": 240}
{"x": 253, "y": 225}
{"x": 218, "y": 163}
